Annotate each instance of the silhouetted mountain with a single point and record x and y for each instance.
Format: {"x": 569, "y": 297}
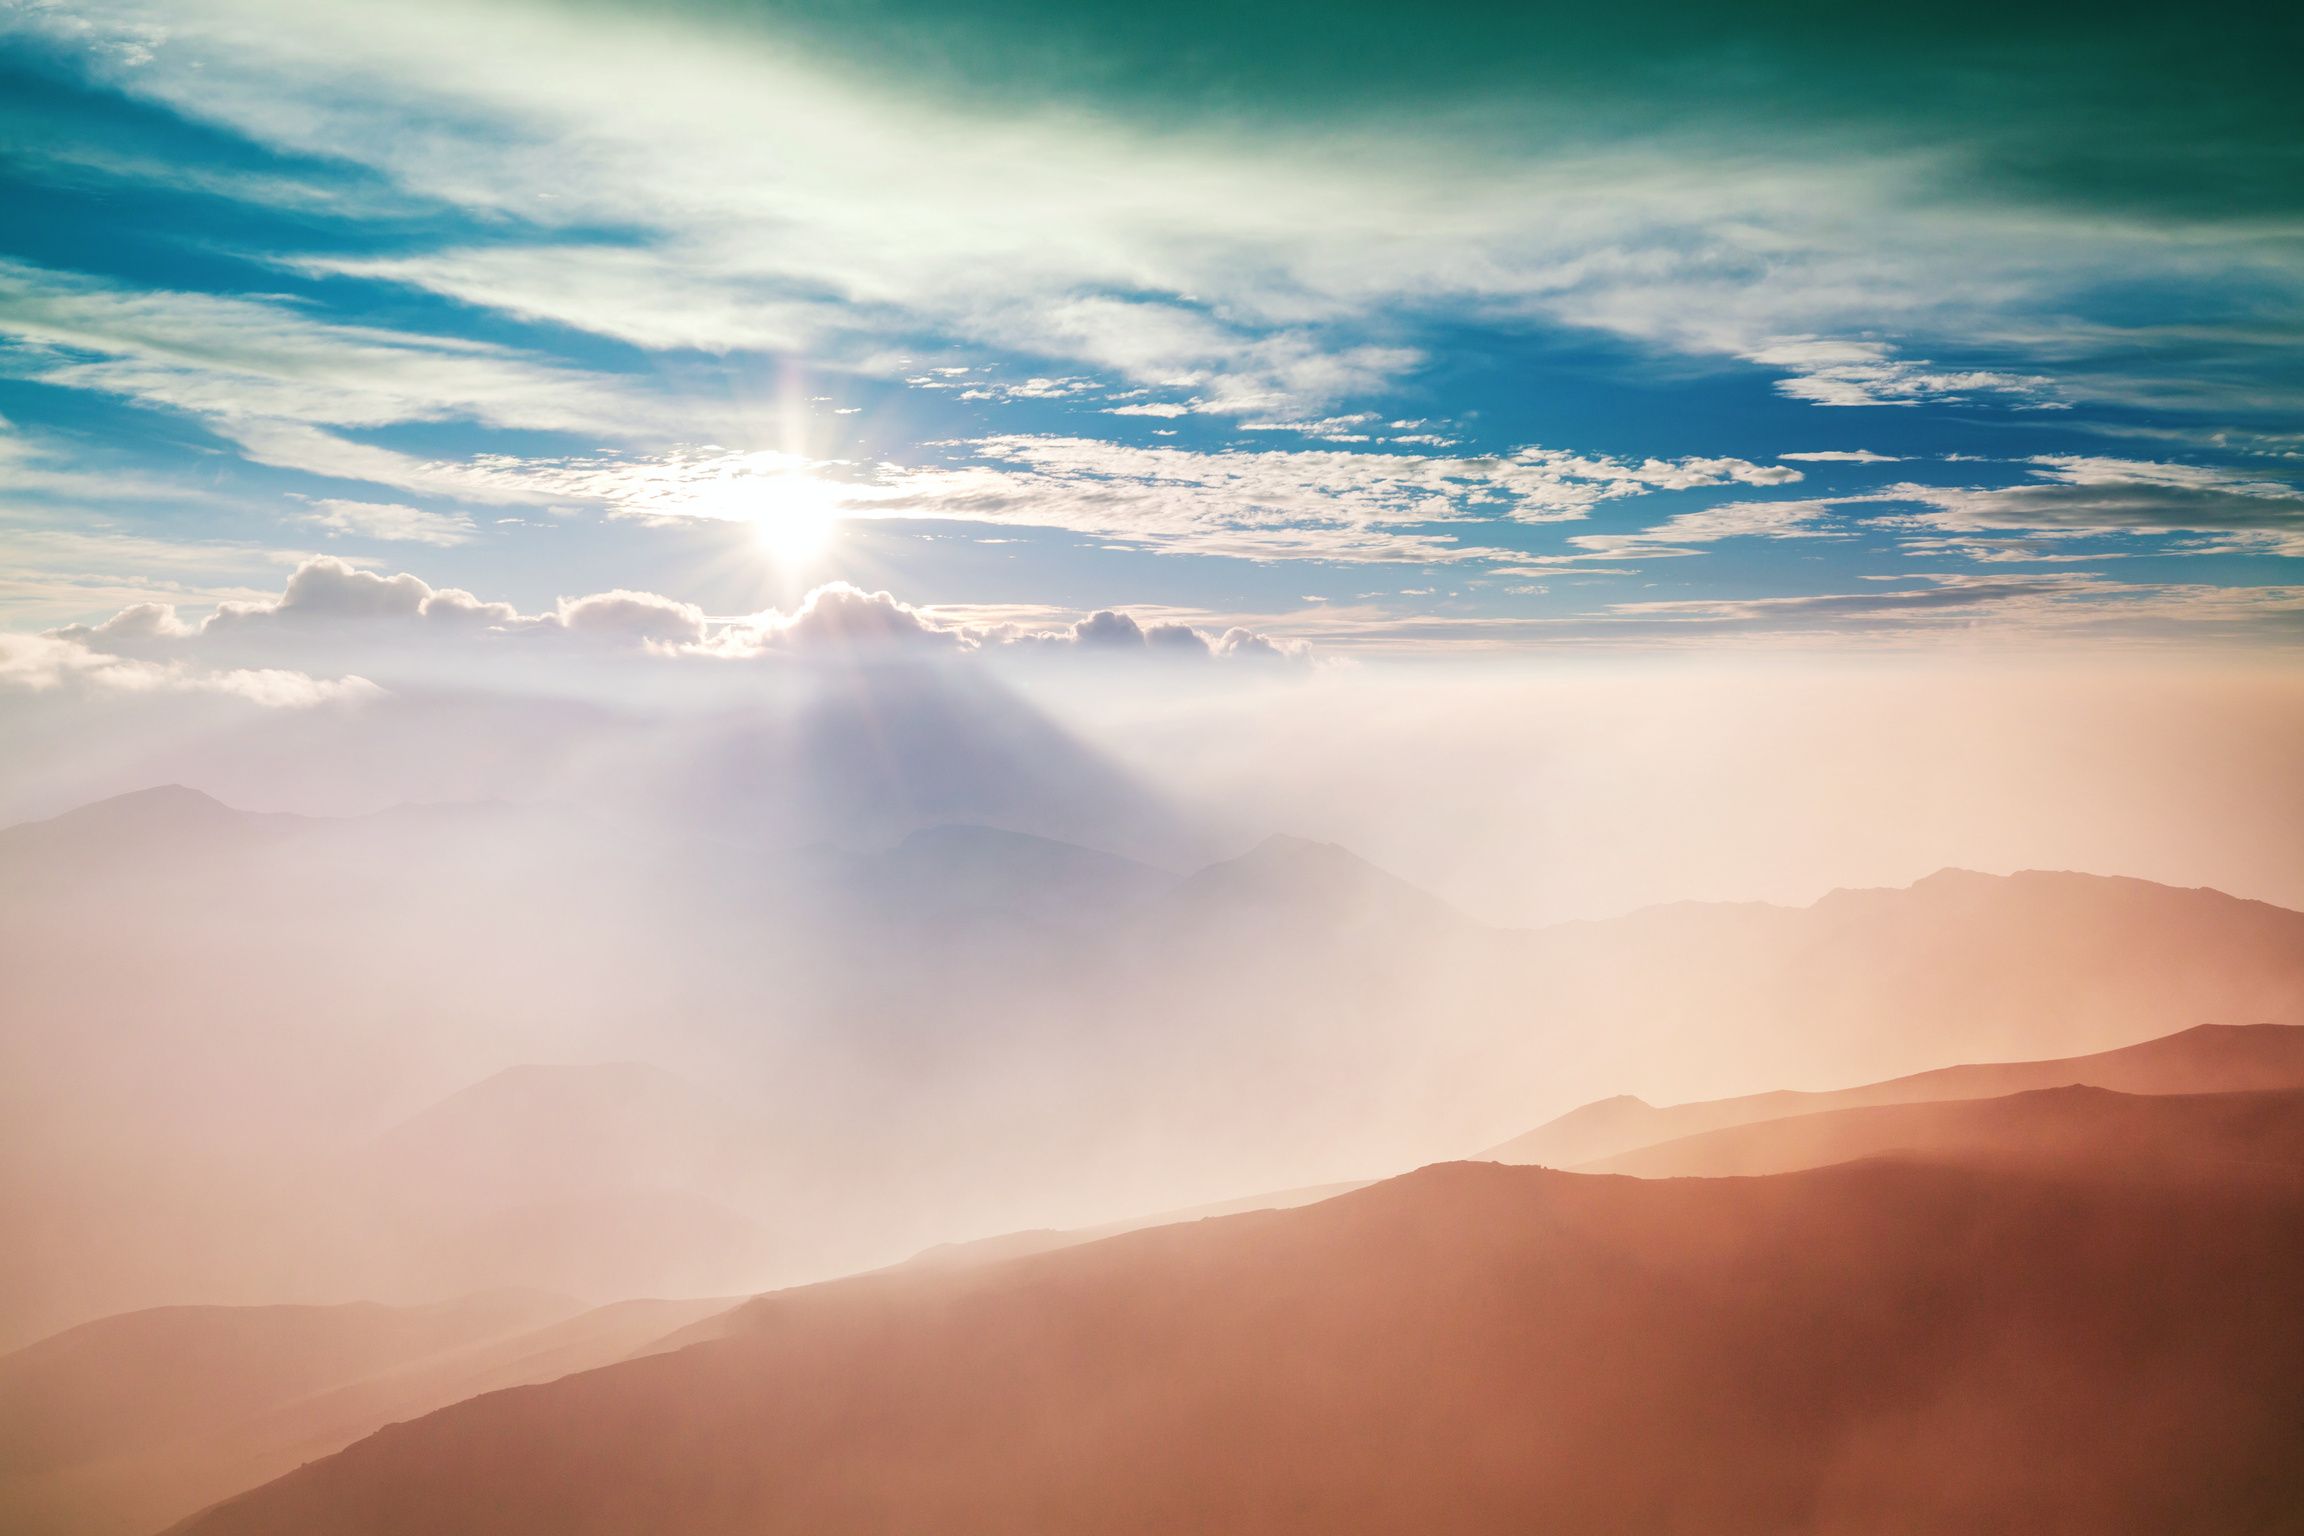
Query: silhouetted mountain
{"x": 2209, "y": 1058}
{"x": 2017, "y": 1346}
{"x": 128, "y": 1423}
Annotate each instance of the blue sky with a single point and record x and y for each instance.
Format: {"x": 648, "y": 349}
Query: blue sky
{"x": 725, "y": 305}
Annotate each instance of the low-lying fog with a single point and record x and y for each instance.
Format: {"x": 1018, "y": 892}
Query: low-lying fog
{"x": 622, "y": 968}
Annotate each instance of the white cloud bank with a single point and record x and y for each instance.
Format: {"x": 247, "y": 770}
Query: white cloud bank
{"x": 330, "y": 610}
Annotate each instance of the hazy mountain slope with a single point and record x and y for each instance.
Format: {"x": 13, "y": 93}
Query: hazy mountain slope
{"x": 164, "y": 820}
{"x": 2208, "y": 1058}
{"x": 126, "y": 1424}
{"x": 1288, "y": 882}
{"x": 1471, "y": 1348}
{"x": 2266, "y": 1126}
{"x": 856, "y": 756}
{"x": 974, "y": 1031}
{"x": 607, "y": 1179}
{"x": 122, "y": 1383}
{"x": 1679, "y": 1003}
{"x": 1008, "y": 1245}
{"x": 984, "y": 876}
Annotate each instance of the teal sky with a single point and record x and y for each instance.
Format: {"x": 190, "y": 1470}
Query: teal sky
{"x": 1369, "y": 329}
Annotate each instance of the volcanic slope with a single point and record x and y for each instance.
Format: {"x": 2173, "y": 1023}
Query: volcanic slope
{"x": 2209, "y": 1058}
{"x": 124, "y": 1424}
{"x": 2266, "y": 1126}
{"x": 2077, "y": 1343}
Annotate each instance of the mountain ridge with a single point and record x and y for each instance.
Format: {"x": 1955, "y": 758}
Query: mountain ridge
{"x": 2205, "y": 1058}
{"x": 1596, "y": 1354}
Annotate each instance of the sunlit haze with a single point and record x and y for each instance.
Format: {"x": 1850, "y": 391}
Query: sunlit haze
{"x": 1039, "y": 768}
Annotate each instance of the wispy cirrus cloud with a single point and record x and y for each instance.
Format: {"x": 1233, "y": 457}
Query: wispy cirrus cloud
{"x": 392, "y": 521}
{"x": 2074, "y": 607}
{"x": 2104, "y": 495}
{"x": 671, "y": 185}
{"x": 271, "y": 378}
{"x": 534, "y": 251}
{"x": 1732, "y": 520}
{"x": 1323, "y": 504}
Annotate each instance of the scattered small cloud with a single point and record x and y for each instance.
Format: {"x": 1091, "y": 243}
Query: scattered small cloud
{"x": 1849, "y": 373}
{"x": 395, "y": 522}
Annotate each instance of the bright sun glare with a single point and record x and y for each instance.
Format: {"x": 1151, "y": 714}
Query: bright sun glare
{"x": 792, "y": 533}
{"x": 790, "y": 521}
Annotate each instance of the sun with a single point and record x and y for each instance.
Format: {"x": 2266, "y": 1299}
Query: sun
{"x": 792, "y": 533}
{"x": 791, "y": 520}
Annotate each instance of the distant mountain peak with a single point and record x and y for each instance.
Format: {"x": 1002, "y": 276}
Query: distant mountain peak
{"x": 130, "y": 824}
{"x": 974, "y": 836}
{"x": 1295, "y": 877}
{"x": 171, "y": 804}
{"x": 1281, "y": 845}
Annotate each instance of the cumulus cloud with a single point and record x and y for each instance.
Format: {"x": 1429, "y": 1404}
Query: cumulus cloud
{"x": 844, "y": 619}
{"x": 627, "y": 615}
{"x": 1245, "y": 644}
{"x": 329, "y": 593}
{"x": 328, "y": 590}
{"x": 838, "y": 617}
{"x": 330, "y": 607}
{"x": 142, "y": 621}
{"x": 1111, "y": 632}
{"x": 1107, "y": 629}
